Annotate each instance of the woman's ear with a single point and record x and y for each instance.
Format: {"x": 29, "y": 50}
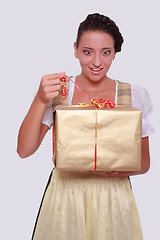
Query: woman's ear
{"x": 75, "y": 50}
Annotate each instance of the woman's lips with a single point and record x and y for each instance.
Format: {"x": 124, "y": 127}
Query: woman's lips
{"x": 96, "y": 70}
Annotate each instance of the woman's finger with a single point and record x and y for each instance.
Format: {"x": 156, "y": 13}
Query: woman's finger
{"x": 51, "y": 89}
{"x": 52, "y": 82}
{"x": 54, "y": 76}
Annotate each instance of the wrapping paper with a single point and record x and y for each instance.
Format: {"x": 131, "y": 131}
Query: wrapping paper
{"x": 118, "y": 140}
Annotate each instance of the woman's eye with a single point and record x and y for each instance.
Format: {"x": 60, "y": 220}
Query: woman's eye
{"x": 106, "y": 52}
{"x": 87, "y": 52}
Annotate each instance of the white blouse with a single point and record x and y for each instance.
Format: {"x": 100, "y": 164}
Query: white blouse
{"x": 140, "y": 100}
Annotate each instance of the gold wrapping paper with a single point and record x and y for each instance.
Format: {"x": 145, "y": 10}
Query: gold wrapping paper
{"x": 118, "y": 138}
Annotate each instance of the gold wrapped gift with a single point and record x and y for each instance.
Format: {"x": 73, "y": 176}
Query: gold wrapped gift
{"x": 103, "y": 139}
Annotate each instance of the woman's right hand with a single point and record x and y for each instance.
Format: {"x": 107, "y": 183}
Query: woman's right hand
{"x": 49, "y": 87}
{"x": 32, "y": 131}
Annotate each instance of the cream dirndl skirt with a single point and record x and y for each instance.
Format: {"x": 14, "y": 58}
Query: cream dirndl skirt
{"x": 83, "y": 206}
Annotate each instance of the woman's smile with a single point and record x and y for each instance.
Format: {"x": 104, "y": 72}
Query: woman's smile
{"x": 96, "y": 70}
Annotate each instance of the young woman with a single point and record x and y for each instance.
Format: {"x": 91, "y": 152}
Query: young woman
{"x": 86, "y": 206}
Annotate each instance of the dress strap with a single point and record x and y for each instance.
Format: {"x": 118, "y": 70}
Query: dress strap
{"x": 124, "y": 94}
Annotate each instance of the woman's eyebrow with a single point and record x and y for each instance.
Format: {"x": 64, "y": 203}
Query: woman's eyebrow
{"x": 106, "y": 48}
{"x": 88, "y": 48}
{"x": 102, "y": 48}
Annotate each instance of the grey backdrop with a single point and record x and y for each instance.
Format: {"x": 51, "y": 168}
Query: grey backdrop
{"x": 36, "y": 39}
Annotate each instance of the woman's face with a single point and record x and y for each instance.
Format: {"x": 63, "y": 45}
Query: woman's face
{"x": 95, "y": 53}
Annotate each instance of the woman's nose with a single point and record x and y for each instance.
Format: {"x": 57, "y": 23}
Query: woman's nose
{"x": 96, "y": 60}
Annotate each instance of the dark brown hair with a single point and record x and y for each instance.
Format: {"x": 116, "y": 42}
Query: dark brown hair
{"x": 98, "y": 22}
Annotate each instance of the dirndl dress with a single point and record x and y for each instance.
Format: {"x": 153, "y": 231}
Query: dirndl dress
{"x": 87, "y": 206}
{"x": 84, "y": 206}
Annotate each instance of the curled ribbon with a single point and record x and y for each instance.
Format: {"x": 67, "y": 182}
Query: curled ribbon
{"x": 101, "y": 103}
{"x": 63, "y": 91}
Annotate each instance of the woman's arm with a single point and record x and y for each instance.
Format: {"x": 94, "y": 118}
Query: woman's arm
{"x": 145, "y": 162}
{"x": 32, "y": 130}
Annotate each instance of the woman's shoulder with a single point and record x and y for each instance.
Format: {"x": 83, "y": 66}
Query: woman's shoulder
{"x": 139, "y": 90}
{"x": 136, "y": 89}
{"x": 139, "y": 94}
{"x": 141, "y": 99}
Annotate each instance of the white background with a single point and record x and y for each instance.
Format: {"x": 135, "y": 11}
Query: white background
{"x": 36, "y": 39}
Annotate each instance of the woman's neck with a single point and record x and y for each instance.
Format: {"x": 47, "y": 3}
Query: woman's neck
{"x": 89, "y": 85}
{"x": 106, "y": 90}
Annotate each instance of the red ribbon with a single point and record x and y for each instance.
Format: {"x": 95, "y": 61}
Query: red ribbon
{"x": 53, "y": 138}
{"x": 99, "y": 103}
{"x": 96, "y": 141}
{"x": 63, "y": 91}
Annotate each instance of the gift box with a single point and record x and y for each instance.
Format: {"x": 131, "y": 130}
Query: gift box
{"x": 98, "y": 139}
